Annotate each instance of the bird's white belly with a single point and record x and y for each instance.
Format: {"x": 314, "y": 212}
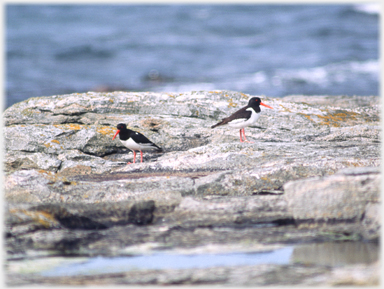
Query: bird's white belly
{"x": 242, "y": 122}
{"x": 132, "y": 145}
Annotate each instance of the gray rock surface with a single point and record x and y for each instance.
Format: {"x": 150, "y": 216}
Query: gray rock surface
{"x": 342, "y": 196}
{"x": 372, "y": 221}
{"x": 295, "y": 140}
{"x": 261, "y": 275}
{"x": 311, "y": 175}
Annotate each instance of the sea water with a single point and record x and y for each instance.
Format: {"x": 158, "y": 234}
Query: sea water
{"x": 272, "y": 50}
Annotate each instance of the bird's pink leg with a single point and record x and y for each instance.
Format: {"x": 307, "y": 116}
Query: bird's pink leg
{"x": 241, "y": 139}
{"x": 245, "y": 139}
{"x": 141, "y": 154}
{"x": 134, "y": 158}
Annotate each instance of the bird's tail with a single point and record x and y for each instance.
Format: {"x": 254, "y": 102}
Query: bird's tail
{"x": 217, "y": 124}
{"x": 158, "y": 149}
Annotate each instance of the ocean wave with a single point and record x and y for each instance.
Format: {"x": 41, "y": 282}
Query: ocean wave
{"x": 331, "y": 73}
{"x": 185, "y": 87}
{"x": 337, "y": 77}
{"x": 83, "y": 51}
{"x": 257, "y": 49}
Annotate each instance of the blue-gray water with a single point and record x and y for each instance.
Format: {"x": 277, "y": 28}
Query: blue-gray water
{"x": 272, "y": 50}
{"x": 325, "y": 254}
{"x": 104, "y": 265}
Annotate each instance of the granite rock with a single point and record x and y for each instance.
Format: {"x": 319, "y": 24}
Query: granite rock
{"x": 342, "y": 196}
{"x": 310, "y": 175}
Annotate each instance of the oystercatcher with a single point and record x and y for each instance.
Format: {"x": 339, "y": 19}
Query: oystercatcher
{"x": 135, "y": 141}
{"x": 244, "y": 117}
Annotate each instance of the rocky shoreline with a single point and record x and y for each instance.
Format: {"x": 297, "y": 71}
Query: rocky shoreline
{"x": 312, "y": 175}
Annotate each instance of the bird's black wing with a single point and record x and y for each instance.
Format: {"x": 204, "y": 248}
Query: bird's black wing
{"x": 142, "y": 139}
{"x": 240, "y": 114}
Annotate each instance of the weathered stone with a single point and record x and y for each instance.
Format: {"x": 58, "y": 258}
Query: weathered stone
{"x": 27, "y": 186}
{"x": 19, "y": 160}
{"x": 342, "y": 196}
{"x": 290, "y": 133}
{"x": 372, "y": 221}
{"x": 357, "y": 275}
{"x": 224, "y": 211}
{"x": 142, "y": 213}
{"x": 69, "y": 190}
{"x": 257, "y": 275}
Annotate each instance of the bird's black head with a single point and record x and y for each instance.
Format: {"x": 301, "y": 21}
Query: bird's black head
{"x": 122, "y": 131}
{"x": 121, "y": 126}
{"x": 254, "y": 101}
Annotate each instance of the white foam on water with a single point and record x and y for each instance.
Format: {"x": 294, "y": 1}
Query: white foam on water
{"x": 186, "y": 87}
{"x": 334, "y": 72}
{"x": 371, "y": 8}
{"x": 321, "y": 76}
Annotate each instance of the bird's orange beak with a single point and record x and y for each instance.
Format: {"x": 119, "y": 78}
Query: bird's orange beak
{"x": 116, "y": 134}
{"x": 265, "y": 105}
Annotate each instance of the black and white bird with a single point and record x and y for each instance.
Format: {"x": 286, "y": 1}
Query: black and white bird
{"x": 135, "y": 141}
{"x": 244, "y": 117}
